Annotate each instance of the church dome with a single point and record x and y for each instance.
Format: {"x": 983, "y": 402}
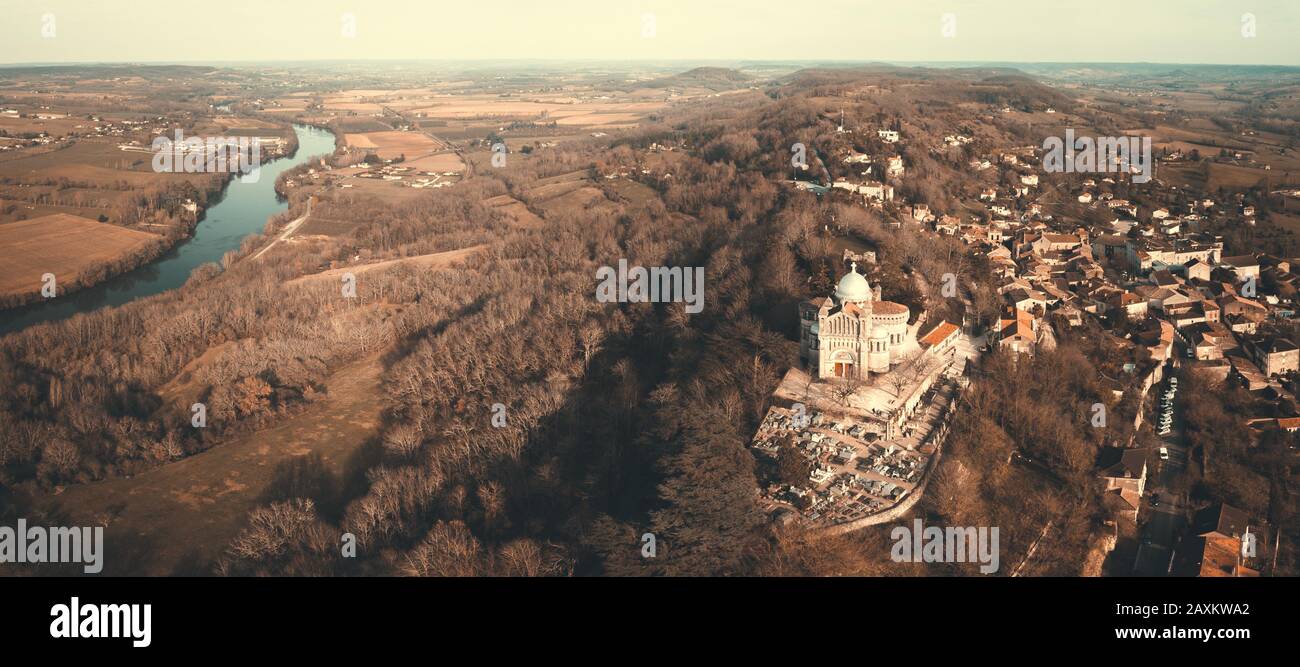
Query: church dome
{"x": 853, "y": 287}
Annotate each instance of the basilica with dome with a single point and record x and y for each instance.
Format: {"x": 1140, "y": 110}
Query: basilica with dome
{"x": 853, "y": 332}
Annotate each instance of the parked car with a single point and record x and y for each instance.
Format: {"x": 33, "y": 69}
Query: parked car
{"x": 1164, "y": 453}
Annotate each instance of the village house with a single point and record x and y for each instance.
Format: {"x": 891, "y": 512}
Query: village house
{"x": 1244, "y": 266}
{"x": 1198, "y": 270}
{"x": 1016, "y": 330}
{"x": 941, "y": 338}
{"x": 894, "y": 166}
{"x": 1134, "y": 306}
{"x": 1222, "y": 541}
{"x": 1246, "y": 372}
{"x": 1029, "y": 300}
{"x": 1210, "y": 340}
{"x": 950, "y": 225}
{"x": 1056, "y": 242}
{"x": 876, "y": 191}
{"x": 1125, "y": 472}
{"x": 1193, "y": 312}
{"x": 1273, "y": 354}
{"x": 1249, "y": 309}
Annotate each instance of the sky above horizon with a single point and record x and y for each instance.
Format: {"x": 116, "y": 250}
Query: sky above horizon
{"x": 1164, "y": 31}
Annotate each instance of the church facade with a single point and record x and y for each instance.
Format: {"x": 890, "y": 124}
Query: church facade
{"x": 853, "y": 332}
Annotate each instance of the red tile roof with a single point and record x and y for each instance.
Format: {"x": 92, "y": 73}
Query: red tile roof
{"x": 939, "y": 334}
{"x": 888, "y": 308}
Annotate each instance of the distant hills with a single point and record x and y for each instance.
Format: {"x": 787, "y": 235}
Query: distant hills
{"x": 104, "y": 71}
{"x": 713, "y": 78}
{"x": 988, "y": 85}
{"x": 1094, "y": 72}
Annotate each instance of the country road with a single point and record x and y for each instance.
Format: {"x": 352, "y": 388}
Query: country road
{"x": 1166, "y": 520}
{"x": 289, "y": 229}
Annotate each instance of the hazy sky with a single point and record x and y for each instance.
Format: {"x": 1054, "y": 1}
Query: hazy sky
{"x": 1174, "y": 31}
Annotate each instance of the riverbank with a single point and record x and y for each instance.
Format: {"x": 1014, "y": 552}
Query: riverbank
{"x": 242, "y": 209}
{"x": 80, "y": 252}
{"x": 60, "y": 254}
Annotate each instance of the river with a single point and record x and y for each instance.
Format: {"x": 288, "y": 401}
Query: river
{"x": 242, "y": 210}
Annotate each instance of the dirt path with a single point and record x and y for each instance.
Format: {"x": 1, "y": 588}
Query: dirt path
{"x": 435, "y": 260}
{"x": 289, "y": 229}
{"x": 179, "y": 518}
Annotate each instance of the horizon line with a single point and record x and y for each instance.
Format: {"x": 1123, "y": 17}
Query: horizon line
{"x": 158, "y": 63}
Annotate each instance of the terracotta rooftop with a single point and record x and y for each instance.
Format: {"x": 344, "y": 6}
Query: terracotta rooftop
{"x": 937, "y": 335}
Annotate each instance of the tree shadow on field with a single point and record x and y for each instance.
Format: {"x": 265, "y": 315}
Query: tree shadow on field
{"x": 193, "y": 563}
{"x": 306, "y": 477}
{"x": 128, "y": 555}
{"x": 311, "y": 477}
{"x": 353, "y": 482}
{"x": 123, "y": 553}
